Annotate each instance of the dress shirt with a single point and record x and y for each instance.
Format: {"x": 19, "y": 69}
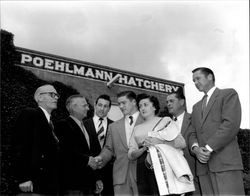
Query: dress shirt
{"x": 180, "y": 120}
{"x": 129, "y": 128}
{"x": 97, "y": 122}
{"x": 80, "y": 124}
{"x": 47, "y": 115}
{"x": 209, "y": 94}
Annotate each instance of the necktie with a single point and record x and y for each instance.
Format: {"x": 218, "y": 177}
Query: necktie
{"x": 52, "y": 131}
{"x": 131, "y": 120}
{"x": 100, "y": 132}
{"x": 204, "y": 104}
{"x": 174, "y": 118}
{"x": 85, "y": 133}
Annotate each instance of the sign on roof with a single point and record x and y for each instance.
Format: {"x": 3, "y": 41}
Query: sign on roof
{"x": 38, "y": 60}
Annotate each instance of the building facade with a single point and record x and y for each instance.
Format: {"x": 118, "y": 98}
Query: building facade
{"x": 92, "y": 80}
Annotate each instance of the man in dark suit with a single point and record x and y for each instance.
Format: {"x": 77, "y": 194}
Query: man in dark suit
{"x": 176, "y": 104}
{"x": 216, "y": 122}
{"x": 117, "y": 145}
{"x": 36, "y": 145}
{"x": 99, "y": 126}
{"x": 78, "y": 146}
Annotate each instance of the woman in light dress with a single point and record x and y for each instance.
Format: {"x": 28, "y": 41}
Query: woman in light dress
{"x": 147, "y": 134}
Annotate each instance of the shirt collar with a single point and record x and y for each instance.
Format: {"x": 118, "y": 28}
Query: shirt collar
{"x": 181, "y": 115}
{"x": 135, "y": 115}
{"x": 96, "y": 119}
{"x": 210, "y": 92}
{"x": 47, "y": 115}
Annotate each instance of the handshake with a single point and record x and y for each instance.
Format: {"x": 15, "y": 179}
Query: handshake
{"x": 95, "y": 162}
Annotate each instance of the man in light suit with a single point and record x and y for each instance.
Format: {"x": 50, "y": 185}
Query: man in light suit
{"x": 176, "y": 104}
{"x": 78, "y": 148}
{"x": 216, "y": 122}
{"x": 36, "y": 145}
{"x": 119, "y": 133}
{"x": 99, "y": 126}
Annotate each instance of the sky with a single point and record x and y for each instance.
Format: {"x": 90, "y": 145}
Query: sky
{"x": 164, "y": 39}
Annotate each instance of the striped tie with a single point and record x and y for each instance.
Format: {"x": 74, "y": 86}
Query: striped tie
{"x": 100, "y": 132}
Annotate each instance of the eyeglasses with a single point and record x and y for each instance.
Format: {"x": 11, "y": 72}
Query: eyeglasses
{"x": 52, "y": 94}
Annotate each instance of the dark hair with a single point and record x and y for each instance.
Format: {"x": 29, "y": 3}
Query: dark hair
{"x": 105, "y": 97}
{"x": 129, "y": 94}
{"x": 205, "y": 71}
{"x": 152, "y": 99}
{"x": 179, "y": 94}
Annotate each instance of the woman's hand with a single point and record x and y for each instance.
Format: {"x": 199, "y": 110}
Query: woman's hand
{"x": 151, "y": 141}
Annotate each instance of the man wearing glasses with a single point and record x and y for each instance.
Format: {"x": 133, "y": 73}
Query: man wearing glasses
{"x": 36, "y": 145}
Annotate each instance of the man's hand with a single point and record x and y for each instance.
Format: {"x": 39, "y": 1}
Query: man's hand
{"x": 99, "y": 161}
{"x": 202, "y": 154}
{"x": 99, "y": 186}
{"x": 92, "y": 163}
{"x": 206, "y": 152}
{"x": 26, "y": 186}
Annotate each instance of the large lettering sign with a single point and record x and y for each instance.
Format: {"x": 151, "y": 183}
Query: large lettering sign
{"x": 57, "y": 64}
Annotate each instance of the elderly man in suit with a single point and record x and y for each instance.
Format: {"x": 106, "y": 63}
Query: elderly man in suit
{"x": 216, "y": 122}
{"x": 117, "y": 145}
{"x": 78, "y": 148}
{"x": 99, "y": 126}
{"x": 36, "y": 145}
{"x": 176, "y": 104}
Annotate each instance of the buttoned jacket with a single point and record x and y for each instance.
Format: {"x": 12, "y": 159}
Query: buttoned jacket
{"x": 116, "y": 145}
{"x": 218, "y": 128}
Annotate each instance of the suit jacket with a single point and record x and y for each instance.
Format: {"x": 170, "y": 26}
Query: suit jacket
{"x": 107, "y": 170}
{"x": 75, "y": 172}
{"x": 116, "y": 145}
{"x": 186, "y": 129}
{"x": 89, "y": 124}
{"x": 36, "y": 151}
{"x": 218, "y": 128}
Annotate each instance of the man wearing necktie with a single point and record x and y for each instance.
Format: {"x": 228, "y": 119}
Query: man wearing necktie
{"x": 117, "y": 145}
{"x": 176, "y": 104}
{"x": 131, "y": 120}
{"x": 36, "y": 145}
{"x": 216, "y": 123}
{"x": 78, "y": 145}
{"x": 99, "y": 126}
{"x": 204, "y": 104}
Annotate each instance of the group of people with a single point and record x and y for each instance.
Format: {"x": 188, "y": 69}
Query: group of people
{"x": 140, "y": 154}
